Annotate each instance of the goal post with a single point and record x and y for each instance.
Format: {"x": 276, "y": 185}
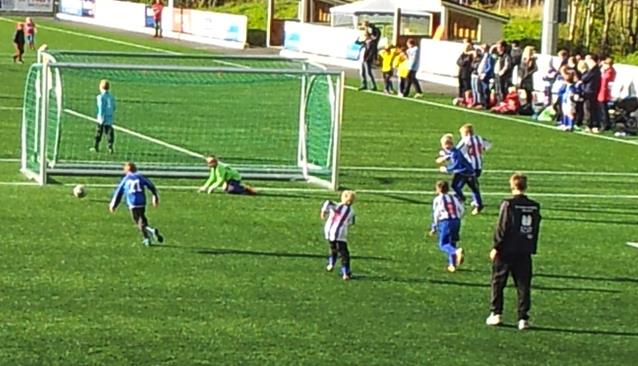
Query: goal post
{"x": 270, "y": 118}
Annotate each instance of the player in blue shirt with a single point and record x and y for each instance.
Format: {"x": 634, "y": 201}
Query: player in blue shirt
{"x": 447, "y": 211}
{"x": 105, "y": 111}
{"x": 463, "y": 172}
{"x": 133, "y": 186}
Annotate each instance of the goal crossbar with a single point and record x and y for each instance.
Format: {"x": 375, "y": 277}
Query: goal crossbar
{"x": 54, "y": 98}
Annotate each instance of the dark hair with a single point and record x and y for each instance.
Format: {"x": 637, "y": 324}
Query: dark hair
{"x": 519, "y": 181}
{"x": 131, "y": 167}
{"x": 443, "y": 186}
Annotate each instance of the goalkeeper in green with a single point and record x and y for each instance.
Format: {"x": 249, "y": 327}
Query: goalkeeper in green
{"x": 225, "y": 176}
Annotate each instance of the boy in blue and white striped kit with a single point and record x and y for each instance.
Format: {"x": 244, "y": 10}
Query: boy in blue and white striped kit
{"x": 473, "y": 147}
{"x": 462, "y": 170}
{"x": 105, "y": 112}
{"x": 447, "y": 211}
{"x": 338, "y": 218}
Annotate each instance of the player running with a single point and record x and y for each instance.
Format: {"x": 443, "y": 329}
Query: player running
{"x": 224, "y": 175}
{"x": 105, "y": 112}
{"x": 473, "y": 147}
{"x": 463, "y": 172}
{"x": 338, "y": 218}
{"x": 447, "y": 211}
{"x": 134, "y": 185}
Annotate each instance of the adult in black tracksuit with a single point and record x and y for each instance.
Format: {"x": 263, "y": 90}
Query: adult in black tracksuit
{"x": 590, "y": 86}
{"x": 18, "y": 43}
{"x": 367, "y": 57}
{"x": 464, "y": 62}
{"x": 515, "y": 240}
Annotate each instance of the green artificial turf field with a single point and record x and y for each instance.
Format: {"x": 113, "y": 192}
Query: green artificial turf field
{"x": 241, "y": 280}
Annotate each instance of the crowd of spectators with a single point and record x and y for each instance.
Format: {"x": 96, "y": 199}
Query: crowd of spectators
{"x": 500, "y": 78}
{"x": 402, "y": 61}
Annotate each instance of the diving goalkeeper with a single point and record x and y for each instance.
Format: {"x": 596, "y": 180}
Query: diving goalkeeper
{"x": 224, "y": 175}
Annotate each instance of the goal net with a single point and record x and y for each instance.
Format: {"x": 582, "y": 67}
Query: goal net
{"x": 271, "y": 118}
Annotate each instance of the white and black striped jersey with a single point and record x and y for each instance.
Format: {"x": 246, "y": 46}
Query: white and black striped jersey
{"x": 340, "y": 216}
{"x": 473, "y": 147}
{"x": 446, "y": 207}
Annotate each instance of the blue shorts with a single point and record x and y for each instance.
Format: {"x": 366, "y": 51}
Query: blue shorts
{"x": 30, "y": 38}
{"x": 449, "y": 231}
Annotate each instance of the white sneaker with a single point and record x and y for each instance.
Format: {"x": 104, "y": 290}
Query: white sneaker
{"x": 494, "y": 319}
{"x": 418, "y": 95}
{"x": 460, "y": 256}
{"x": 330, "y": 267}
{"x": 523, "y": 324}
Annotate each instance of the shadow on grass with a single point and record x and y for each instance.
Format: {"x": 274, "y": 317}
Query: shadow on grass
{"x": 228, "y": 251}
{"x": 364, "y": 277}
{"x": 534, "y": 287}
{"x": 587, "y": 278}
{"x": 597, "y": 211}
{"x": 592, "y": 221}
{"x": 535, "y": 328}
{"x": 405, "y": 199}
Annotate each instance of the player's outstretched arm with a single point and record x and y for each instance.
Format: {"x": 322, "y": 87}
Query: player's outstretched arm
{"x": 117, "y": 196}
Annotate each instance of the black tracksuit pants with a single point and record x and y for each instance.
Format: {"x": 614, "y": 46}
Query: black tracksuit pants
{"x": 521, "y": 270}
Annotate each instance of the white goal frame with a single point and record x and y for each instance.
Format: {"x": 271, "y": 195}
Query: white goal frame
{"x": 326, "y": 177}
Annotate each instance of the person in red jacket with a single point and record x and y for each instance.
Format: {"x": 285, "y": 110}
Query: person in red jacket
{"x": 510, "y": 105}
{"x": 608, "y": 76}
{"x": 157, "y": 17}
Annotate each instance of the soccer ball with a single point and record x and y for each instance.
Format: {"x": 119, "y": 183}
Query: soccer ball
{"x": 79, "y": 191}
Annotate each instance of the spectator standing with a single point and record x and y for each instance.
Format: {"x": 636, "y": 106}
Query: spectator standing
{"x": 590, "y": 87}
{"x": 485, "y": 73}
{"x": 18, "y": 43}
{"x": 29, "y": 30}
{"x": 516, "y": 54}
{"x": 375, "y": 36}
{"x": 552, "y": 74}
{"x": 464, "y": 62}
{"x": 477, "y": 57}
{"x": 526, "y": 72}
{"x": 157, "y": 8}
{"x": 400, "y": 63}
{"x": 502, "y": 71}
{"x": 608, "y": 76}
{"x": 387, "y": 56}
{"x": 413, "y": 54}
{"x": 515, "y": 241}
{"x": 366, "y": 57}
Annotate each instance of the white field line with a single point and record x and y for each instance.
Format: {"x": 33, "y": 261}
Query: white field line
{"x": 432, "y": 170}
{"x": 324, "y": 192}
{"x": 139, "y": 135}
{"x": 99, "y": 38}
{"x": 496, "y": 171}
{"x": 10, "y": 108}
{"x": 632, "y": 244}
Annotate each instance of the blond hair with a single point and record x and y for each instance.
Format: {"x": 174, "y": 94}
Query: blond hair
{"x": 582, "y": 66}
{"x": 528, "y": 53}
{"x": 467, "y": 129}
{"x": 448, "y": 137}
{"x": 105, "y": 84}
{"x": 347, "y": 197}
